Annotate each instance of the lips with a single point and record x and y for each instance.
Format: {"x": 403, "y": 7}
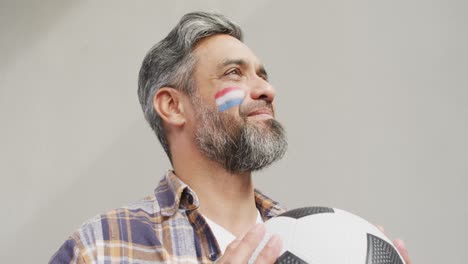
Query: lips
{"x": 261, "y": 111}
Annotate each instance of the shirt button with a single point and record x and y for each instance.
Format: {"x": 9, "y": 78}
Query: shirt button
{"x": 190, "y": 199}
{"x": 213, "y": 256}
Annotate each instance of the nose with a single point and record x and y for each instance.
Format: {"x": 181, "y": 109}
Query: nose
{"x": 262, "y": 90}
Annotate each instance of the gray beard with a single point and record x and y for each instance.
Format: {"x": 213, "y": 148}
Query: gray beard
{"x": 239, "y": 146}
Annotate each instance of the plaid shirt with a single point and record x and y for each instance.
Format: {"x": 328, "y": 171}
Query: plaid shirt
{"x": 162, "y": 228}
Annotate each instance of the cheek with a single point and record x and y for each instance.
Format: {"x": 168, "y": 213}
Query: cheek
{"x": 229, "y": 97}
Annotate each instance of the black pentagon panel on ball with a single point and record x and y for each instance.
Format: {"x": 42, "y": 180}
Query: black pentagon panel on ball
{"x": 305, "y": 211}
{"x": 289, "y": 258}
{"x": 380, "y": 251}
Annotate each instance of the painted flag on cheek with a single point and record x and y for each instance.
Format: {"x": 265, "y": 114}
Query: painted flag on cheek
{"x": 229, "y": 97}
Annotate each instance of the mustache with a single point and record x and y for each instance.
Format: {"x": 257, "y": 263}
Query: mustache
{"x": 246, "y": 109}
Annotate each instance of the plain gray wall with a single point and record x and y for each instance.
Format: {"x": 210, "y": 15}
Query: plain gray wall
{"x": 373, "y": 95}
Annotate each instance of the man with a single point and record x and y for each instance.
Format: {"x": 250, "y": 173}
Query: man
{"x": 207, "y": 97}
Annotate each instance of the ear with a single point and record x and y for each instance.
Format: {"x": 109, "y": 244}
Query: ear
{"x": 167, "y": 103}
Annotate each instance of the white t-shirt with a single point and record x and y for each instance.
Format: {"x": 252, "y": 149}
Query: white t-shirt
{"x": 223, "y": 236}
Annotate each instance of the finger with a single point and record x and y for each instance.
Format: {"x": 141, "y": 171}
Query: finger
{"x": 400, "y": 245}
{"x": 232, "y": 247}
{"x": 271, "y": 251}
{"x": 248, "y": 244}
{"x": 381, "y": 228}
{"x": 229, "y": 252}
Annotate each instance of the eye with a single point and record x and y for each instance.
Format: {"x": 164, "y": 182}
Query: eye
{"x": 263, "y": 76}
{"x": 234, "y": 71}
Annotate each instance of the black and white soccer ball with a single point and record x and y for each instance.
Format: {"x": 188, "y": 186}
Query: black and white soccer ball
{"x": 322, "y": 235}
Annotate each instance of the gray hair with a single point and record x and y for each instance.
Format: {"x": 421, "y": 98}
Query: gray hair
{"x": 170, "y": 62}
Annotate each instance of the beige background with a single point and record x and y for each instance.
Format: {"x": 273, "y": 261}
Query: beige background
{"x": 373, "y": 95}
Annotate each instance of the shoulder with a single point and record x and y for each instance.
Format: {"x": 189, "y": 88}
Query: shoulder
{"x": 121, "y": 223}
{"x": 132, "y": 225}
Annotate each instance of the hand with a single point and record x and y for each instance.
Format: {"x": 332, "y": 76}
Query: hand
{"x": 240, "y": 250}
{"x": 400, "y": 245}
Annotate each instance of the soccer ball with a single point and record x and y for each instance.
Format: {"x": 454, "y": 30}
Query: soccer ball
{"x": 322, "y": 235}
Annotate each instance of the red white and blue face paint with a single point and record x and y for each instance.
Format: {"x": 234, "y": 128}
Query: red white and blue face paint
{"x": 229, "y": 97}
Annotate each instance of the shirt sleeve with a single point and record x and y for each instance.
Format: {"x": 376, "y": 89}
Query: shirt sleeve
{"x": 68, "y": 253}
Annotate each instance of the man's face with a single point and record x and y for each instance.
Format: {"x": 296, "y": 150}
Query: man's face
{"x": 242, "y": 136}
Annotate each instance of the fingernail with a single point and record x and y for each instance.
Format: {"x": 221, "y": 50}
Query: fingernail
{"x": 381, "y": 228}
{"x": 400, "y": 242}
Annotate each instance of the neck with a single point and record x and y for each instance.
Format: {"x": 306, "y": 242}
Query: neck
{"x": 226, "y": 198}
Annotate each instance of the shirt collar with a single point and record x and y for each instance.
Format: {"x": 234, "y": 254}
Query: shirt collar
{"x": 268, "y": 207}
{"x": 172, "y": 194}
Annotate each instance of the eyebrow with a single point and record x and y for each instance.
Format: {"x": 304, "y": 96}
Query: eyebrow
{"x": 241, "y": 62}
